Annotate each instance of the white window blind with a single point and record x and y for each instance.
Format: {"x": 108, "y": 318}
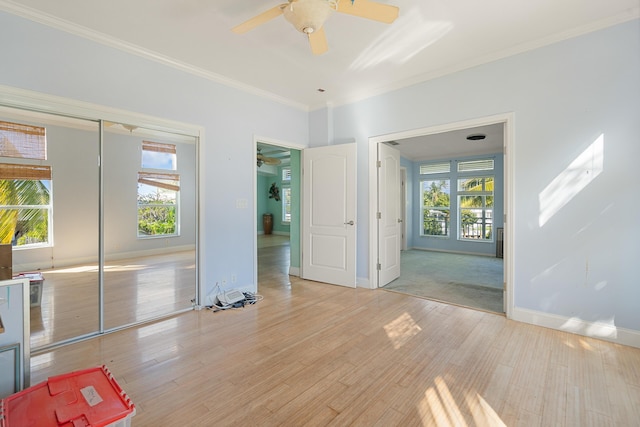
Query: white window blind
{"x": 475, "y": 165}
{"x": 286, "y": 174}
{"x": 24, "y": 172}
{"x": 23, "y": 141}
{"x": 159, "y": 147}
{"x": 158, "y": 155}
{"x": 433, "y": 168}
{"x": 168, "y": 181}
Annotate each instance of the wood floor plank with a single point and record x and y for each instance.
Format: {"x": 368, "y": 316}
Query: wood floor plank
{"x": 314, "y": 354}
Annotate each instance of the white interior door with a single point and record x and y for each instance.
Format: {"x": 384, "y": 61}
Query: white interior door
{"x": 389, "y": 214}
{"x": 329, "y": 214}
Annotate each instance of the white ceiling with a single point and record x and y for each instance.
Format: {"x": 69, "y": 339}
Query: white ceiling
{"x": 430, "y": 38}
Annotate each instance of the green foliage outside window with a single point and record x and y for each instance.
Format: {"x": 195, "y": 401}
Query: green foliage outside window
{"x": 156, "y": 215}
{"x": 24, "y": 212}
{"x": 436, "y": 208}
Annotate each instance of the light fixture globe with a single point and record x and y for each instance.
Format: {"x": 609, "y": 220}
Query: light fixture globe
{"x": 308, "y": 16}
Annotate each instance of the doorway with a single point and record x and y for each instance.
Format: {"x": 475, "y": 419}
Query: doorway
{"x": 449, "y": 142}
{"x": 277, "y": 201}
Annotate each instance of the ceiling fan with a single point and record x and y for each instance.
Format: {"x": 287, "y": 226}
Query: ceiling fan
{"x": 264, "y": 160}
{"x": 308, "y": 17}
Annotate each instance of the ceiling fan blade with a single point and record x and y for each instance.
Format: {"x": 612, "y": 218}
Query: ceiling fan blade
{"x": 318, "y": 42}
{"x": 271, "y": 161}
{"x": 259, "y": 19}
{"x": 369, "y": 9}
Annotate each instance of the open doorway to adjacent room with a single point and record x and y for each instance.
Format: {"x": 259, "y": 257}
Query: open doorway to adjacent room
{"x": 451, "y": 219}
{"x": 277, "y": 211}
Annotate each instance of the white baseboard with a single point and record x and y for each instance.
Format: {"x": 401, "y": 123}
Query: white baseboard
{"x": 70, "y": 262}
{"x": 294, "y": 271}
{"x": 601, "y": 330}
{"x": 363, "y": 282}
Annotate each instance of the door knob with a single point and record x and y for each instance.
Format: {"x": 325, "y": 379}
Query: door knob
{"x": 349, "y": 223}
{"x": 399, "y": 220}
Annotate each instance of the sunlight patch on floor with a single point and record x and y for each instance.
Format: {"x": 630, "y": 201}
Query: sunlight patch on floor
{"x": 401, "y": 330}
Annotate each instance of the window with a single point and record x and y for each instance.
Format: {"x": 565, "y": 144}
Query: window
{"x": 158, "y": 204}
{"x": 475, "y": 202}
{"x": 158, "y": 191}
{"x": 435, "y": 207}
{"x": 25, "y": 189}
{"x": 156, "y": 155}
{"x": 286, "y": 195}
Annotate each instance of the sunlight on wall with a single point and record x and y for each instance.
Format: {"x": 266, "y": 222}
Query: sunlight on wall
{"x": 401, "y": 330}
{"x": 408, "y": 36}
{"x": 604, "y": 328}
{"x": 439, "y": 408}
{"x": 571, "y": 181}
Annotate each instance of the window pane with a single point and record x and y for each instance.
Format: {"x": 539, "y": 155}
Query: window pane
{"x": 435, "y": 193}
{"x": 156, "y": 155}
{"x": 442, "y": 167}
{"x": 157, "y": 207}
{"x": 156, "y": 220}
{"x": 24, "y": 212}
{"x": 435, "y": 222}
{"x": 475, "y": 165}
{"x": 476, "y": 224}
{"x": 286, "y": 204}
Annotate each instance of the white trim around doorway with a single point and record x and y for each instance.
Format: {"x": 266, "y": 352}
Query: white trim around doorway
{"x": 509, "y": 156}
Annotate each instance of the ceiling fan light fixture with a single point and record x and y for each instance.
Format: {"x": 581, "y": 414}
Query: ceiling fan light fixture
{"x": 308, "y": 16}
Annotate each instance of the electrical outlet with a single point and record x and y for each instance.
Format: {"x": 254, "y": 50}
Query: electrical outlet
{"x": 233, "y": 278}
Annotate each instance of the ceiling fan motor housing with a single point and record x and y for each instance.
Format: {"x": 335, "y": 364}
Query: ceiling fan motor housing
{"x": 308, "y": 16}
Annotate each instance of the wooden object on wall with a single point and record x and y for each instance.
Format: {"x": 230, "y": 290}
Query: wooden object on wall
{"x": 6, "y": 262}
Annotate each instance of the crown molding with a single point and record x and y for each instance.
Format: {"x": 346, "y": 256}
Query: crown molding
{"x": 106, "y": 40}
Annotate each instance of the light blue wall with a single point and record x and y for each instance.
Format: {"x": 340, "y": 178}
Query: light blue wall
{"x": 576, "y": 106}
{"x": 451, "y": 242}
{"x": 580, "y": 263}
{"x": 50, "y": 61}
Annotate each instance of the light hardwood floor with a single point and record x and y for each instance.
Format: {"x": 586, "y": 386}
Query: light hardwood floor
{"x": 136, "y": 289}
{"x": 317, "y": 354}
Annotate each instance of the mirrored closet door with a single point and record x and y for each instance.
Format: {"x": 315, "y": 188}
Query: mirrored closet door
{"x": 102, "y": 218}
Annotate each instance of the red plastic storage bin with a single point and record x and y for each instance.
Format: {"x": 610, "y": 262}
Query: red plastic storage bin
{"x": 87, "y": 398}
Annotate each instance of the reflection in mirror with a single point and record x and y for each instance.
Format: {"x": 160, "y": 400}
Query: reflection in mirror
{"x": 49, "y": 217}
{"x": 149, "y": 223}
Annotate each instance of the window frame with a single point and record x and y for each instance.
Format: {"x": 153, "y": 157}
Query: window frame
{"x": 285, "y": 199}
{"x": 165, "y": 179}
{"x": 27, "y": 144}
{"x": 484, "y": 220}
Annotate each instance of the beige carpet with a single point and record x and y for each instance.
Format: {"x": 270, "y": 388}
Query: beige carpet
{"x": 468, "y": 280}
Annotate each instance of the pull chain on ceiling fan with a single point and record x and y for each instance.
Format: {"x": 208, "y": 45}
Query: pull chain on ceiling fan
{"x": 308, "y": 17}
